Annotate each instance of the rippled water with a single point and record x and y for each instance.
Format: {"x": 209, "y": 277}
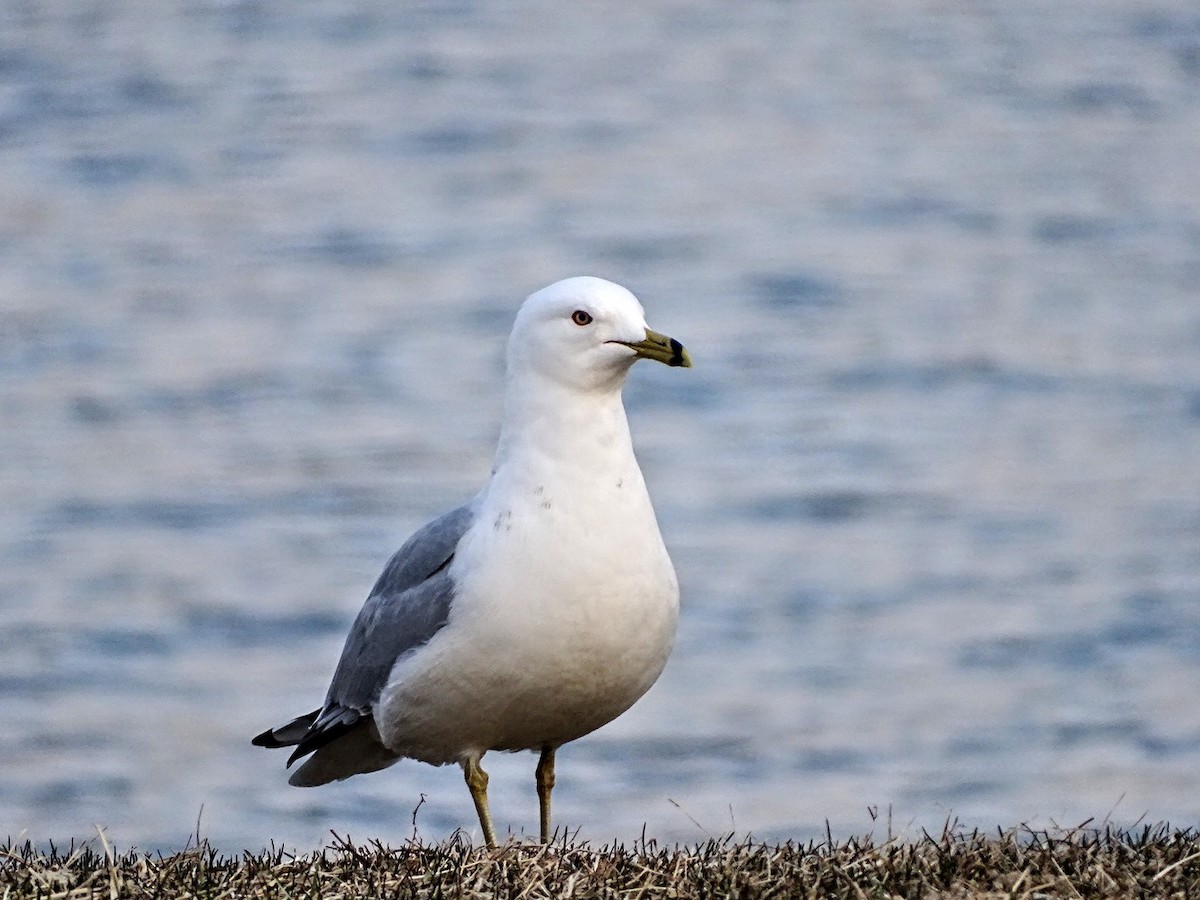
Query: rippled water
{"x": 933, "y": 488}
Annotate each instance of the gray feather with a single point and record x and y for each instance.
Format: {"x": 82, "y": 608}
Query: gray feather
{"x": 427, "y": 551}
{"x": 388, "y": 626}
{"x": 354, "y": 753}
{"x": 409, "y": 604}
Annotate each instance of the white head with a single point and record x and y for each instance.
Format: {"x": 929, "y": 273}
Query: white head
{"x": 585, "y": 333}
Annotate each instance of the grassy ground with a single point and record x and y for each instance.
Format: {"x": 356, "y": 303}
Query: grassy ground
{"x": 1148, "y": 862}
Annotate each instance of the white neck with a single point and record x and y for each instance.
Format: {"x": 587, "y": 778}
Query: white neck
{"x": 547, "y": 422}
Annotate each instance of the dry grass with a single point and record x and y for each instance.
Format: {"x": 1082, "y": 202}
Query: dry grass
{"x": 1148, "y": 862}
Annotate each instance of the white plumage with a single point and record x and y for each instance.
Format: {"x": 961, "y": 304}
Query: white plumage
{"x": 546, "y": 606}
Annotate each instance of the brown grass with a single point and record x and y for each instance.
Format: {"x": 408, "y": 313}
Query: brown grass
{"x": 1153, "y": 861}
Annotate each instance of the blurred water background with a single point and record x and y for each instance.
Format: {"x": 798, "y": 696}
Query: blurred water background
{"x": 932, "y": 489}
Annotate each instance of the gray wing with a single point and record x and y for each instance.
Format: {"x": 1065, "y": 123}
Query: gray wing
{"x": 409, "y": 603}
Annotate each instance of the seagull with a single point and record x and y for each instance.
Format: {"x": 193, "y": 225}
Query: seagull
{"x": 538, "y": 611}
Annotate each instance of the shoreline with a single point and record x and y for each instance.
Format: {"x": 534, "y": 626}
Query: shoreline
{"x": 1148, "y": 861}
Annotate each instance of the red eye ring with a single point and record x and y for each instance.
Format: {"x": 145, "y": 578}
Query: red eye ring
{"x": 581, "y": 317}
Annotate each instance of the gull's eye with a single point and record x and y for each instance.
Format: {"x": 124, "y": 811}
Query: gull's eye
{"x": 580, "y": 317}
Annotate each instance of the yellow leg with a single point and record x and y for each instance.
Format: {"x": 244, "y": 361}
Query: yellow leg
{"x": 545, "y": 784}
{"x": 477, "y": 782}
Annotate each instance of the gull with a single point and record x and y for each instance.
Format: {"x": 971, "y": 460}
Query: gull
{"x": 538, "y": 611}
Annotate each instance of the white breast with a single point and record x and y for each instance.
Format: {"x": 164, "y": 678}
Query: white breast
{"x": 564, "y": 616}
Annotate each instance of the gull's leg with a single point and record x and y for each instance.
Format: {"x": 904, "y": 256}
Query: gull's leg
{"x": 545, "y": 784}
{"x": 477, "y": 782}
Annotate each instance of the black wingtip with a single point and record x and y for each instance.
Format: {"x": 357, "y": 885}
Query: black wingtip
{"x": 267, "y": 739}
{"x": 286, "y": 735}
{"x": 315, "y": 740}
